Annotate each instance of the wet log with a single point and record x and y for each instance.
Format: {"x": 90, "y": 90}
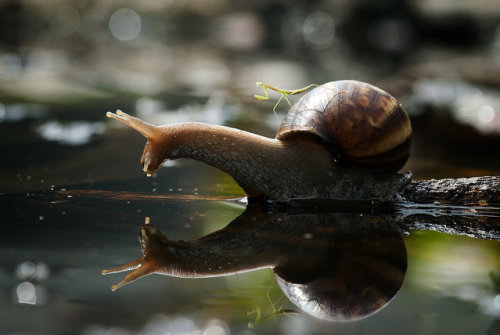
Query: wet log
{"x": 475, "y": 191}
{"x": 462, "y": 206}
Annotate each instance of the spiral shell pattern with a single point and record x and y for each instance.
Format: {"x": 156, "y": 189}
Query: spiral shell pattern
{"x": 364, "y": 124}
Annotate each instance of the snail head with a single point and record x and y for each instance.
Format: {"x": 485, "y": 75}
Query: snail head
{"x": 153, "y": 155}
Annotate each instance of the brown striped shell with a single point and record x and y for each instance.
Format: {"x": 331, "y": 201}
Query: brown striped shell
{"x": 363, "y": 124}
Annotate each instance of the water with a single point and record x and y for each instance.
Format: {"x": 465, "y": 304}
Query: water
{"x": 74, "y": 198}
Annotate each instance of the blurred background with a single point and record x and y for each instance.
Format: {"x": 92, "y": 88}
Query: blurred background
{"x": 63, "y": 64}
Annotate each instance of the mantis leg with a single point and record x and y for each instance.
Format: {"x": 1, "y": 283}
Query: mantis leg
{"x": 261, "y": 97}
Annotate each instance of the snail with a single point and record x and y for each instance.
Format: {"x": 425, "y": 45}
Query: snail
{"x": 342, "y": 140}
{"x": 334, "y": 266}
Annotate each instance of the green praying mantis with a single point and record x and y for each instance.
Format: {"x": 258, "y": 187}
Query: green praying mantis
{"x": 283, "y": 93}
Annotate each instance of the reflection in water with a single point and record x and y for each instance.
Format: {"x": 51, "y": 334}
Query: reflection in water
{"x": 333, "y": 266}
{"x": 129, "y": 196}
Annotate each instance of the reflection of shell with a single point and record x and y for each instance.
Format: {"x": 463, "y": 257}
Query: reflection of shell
{"x": 355, "y": 279}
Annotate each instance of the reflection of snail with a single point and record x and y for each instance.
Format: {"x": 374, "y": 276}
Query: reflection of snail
{"x": 366, "y": 270}
{"x": 333, "y": 266}
{"x": 342, "y": 140}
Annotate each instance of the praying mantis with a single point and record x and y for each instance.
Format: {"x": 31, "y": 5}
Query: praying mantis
{"x": 283, "y": 93}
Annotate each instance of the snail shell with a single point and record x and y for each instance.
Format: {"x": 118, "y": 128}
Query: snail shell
{"x": 361, "y": 123}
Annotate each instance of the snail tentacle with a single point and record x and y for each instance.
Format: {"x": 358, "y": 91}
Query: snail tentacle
{"x": 146, "y": 129}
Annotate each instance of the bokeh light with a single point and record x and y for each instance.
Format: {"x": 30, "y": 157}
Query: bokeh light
{"x": 74, "y": 133}
{"x": 26, "y": 293}
{"x": 319, "y": 30}
{"x": 25, "y": 270}
{"x": 125, "y": 24}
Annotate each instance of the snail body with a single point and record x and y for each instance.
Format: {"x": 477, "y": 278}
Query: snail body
{"x": 343, "y": 140}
